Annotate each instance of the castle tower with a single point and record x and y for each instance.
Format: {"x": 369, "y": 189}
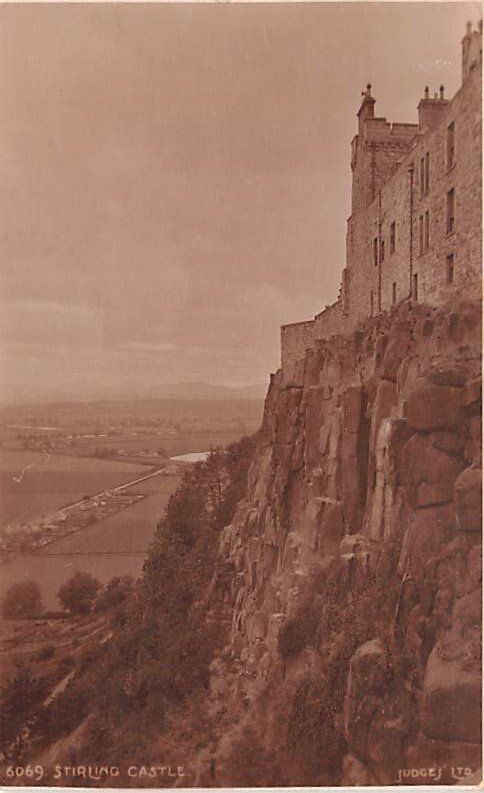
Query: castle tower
{"x": 415, "y": 229}
{"x": 375, "y": 151}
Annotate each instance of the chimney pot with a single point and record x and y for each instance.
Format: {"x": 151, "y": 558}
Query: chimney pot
{"x": 426, "y": 92}
{"x": 442, "y": 91}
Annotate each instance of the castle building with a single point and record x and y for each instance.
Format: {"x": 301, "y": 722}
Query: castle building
{"x": 415, "y": 229}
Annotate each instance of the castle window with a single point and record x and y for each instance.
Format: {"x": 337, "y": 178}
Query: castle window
{"x": 375, "y": 251}
{"x": 427, "y": 231}
{"x": 425, "y": 174}
{"x": 450, "y": 268}
{"x": 392, "y": 237}
{"x": 450, "y": 211}
{"x": 382, "y": 250}
{"x": 372, "y": 303}
{"x": 415, "y": 286}
{"x": 450, "y": 145}
{"x": 354, "y": 152}
{"x": 394, "y": 293}
{"x": 421, "y": 234}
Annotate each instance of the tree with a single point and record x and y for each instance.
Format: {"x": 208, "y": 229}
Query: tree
{"x": 163, "y": 637}
{"x": 79, "y": 593}
{"x": 20, "y": 699}
{"x": 117, "y": 590}
{"x": 22, "y": 601}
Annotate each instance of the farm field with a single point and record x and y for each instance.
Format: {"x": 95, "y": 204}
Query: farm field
{"x": 32, "y": 483}
{"x": 55, "y": 455}
{"x": 15, "y": 461}
{"x": 114, "y": 546}
{"x": 172, "y": 444}
{"x": 128, "y": 531}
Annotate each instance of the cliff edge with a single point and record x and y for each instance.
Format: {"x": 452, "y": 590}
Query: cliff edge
{"x": 352, "y": 568}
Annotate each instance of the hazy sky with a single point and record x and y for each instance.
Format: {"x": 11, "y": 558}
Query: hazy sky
{"x": 175, "y": 178}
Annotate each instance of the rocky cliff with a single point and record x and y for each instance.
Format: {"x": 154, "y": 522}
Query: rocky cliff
{"x": 351, "y": 571}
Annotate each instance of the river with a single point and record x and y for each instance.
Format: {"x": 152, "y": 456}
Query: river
{"x": 192, "y": 457}
{"x": 116, "y": 545}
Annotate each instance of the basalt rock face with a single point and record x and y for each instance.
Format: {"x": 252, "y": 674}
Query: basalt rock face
{"x": 355, "y": 566}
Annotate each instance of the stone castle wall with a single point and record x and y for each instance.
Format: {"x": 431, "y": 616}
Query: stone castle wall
{"x": 295, "y": 340}
{"x": 376, "y": 286}
{"x": 329, "y": 321}
{"x": 299, "y": 337}
{"x": 399, "y": 244}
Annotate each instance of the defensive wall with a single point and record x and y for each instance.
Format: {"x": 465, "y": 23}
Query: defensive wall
{"x": 416, "y": 225}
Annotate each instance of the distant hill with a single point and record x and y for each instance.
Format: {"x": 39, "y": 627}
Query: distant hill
{"x": 131, "y": 391}
{"x": 208, "y": 391}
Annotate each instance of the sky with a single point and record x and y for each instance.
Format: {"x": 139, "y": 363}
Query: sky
{"x": 176, "y": 180}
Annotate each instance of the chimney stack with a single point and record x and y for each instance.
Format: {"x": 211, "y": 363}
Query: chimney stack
{"x": 471, "y": 49}
{"x": 429, "y": 110}
{"x": 367, "y": 108}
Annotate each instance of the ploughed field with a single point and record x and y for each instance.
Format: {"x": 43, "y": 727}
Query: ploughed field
{"x": 56, "y": 455}
{"x": 34, "y": 483}
{"x": 140, "y": 430}
{"x": 184, "y": 443}
{"x": 111, "y": 546}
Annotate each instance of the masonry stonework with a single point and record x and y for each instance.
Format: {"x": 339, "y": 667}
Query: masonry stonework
{"x": 295, "y": 340}
{"x": 415, "y": 230}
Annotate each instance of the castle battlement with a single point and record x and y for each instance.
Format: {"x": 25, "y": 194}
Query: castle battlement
{"x": 415, "y": 229}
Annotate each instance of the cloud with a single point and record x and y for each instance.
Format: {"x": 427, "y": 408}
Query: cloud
{"x": 50, "y": 323}
{"x": 175, "y": 177}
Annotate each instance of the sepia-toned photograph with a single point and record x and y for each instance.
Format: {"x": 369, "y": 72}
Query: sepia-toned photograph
{"x": 240, "y": 394}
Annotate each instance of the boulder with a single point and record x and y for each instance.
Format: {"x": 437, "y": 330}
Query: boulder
{"x": 468, "y": 499}
{"x": 472, "y": 396}
{"x": 447, "y": 441}
{"x": 367, "y": 672}
{"x": 355, "y": 772}
{"x": 385, "y": 741}
{"x": 432, "y": 407}
{"x": 421, "y": 462}
{"x": 447, "y": 373}
{"x": 443, "y": 761}
{"x": 451, "y": 701}
{"x": 473, "y": 446}
{"x": 429, "y": 493}
{"x": 468, "y": 611}
{"x": 429, "y": 530}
